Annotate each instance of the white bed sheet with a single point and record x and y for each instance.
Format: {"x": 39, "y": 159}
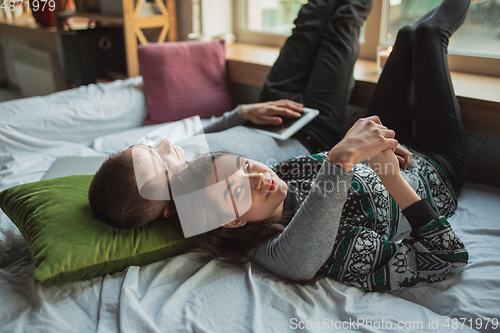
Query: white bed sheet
{"x": 195, "y": 293}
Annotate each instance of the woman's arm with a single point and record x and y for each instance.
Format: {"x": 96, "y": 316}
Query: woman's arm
{"x": 386, "y": 166}
{"x": 307, "y": 241}
{"x": 417, "y": 211}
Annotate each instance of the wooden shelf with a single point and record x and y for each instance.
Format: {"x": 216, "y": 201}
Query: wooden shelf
{"x": 132, "y": 25}
{"x": 92, "y": 16}
{"x": 26, "y": 31}
{"x": 27, "y": 28}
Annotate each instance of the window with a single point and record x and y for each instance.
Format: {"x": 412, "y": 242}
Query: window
{"x": 479, "y": 35}
{"x": 475, "y": 48}
{"x": 266, "y": 22}
{"x": 271, "y": 16}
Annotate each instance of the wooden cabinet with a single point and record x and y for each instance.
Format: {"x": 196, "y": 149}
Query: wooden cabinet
{"x": 132, "y": 24}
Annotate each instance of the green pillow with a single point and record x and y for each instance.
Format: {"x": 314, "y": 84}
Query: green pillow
{"x": 67, "y": 242}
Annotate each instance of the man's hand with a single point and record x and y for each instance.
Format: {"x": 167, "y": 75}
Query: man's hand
{"x": 366, "y": 139}
{"x": 268, "y": 113}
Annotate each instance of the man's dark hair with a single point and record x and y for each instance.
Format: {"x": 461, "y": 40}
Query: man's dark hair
{"x": 114, "y": 196}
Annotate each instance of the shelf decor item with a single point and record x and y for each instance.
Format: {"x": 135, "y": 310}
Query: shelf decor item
{"x": 17, "y": 8}
{"x": 115, "y": 8}
{"x": 383, "y": 53}
{"x": 158, "y": 14}
{"x": 87, "y": 5}
{"x": 85, "y": 55}
{"x": 43, "y": 11}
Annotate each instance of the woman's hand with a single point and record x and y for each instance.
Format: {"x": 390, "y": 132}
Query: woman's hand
{"x": 269, "y": 113}
{"x": 366, "y": 139}
{"x": 404, "y": 156}
{"x": 385, "y": 164}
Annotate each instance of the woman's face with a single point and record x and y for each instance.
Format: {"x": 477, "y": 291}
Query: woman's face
{"x": 253, "y": 192}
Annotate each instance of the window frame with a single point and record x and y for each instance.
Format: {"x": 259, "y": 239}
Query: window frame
{"x": 253, "y": 37}
{"x": 480, "y": 65}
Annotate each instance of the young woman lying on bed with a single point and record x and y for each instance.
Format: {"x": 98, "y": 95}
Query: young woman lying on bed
{"x": 330, "y": 214}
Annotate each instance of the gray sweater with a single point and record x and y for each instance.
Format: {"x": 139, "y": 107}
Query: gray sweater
{"x": 308, "y": 240}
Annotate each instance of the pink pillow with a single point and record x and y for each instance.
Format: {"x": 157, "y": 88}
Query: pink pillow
{"x": 184, "y": 79}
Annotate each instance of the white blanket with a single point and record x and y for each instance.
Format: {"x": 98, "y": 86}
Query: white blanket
{"x": 196, "y": 293}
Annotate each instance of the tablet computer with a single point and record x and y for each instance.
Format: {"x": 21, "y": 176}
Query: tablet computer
{"x": 289, "y": 127}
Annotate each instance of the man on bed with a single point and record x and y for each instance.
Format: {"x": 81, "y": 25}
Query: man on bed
{"x": 127, "y": 186}
{"x": 122, "y": 199}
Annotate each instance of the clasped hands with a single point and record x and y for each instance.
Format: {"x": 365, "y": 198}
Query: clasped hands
{"x": 368, "y": 140}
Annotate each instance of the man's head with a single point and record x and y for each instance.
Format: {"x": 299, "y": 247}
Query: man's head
{"x": 131, "y": 188}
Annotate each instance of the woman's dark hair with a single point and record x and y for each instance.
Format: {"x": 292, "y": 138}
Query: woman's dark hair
{"x": 230, "y": 245}
{"x": 114, "y": 196}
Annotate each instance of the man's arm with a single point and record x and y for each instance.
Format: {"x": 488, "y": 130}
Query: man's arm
{"x": 258, "y": 113}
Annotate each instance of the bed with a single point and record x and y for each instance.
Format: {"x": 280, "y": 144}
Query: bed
{"x": 193, "y": 292}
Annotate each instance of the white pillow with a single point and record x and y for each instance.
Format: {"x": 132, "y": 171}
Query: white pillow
{"x": 151, "y": 135}
{"x": 78, "y": 115}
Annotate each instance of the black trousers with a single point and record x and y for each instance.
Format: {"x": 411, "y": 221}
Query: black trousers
{"x": 414, "y": 95}
{"x": 315, "y": 67}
